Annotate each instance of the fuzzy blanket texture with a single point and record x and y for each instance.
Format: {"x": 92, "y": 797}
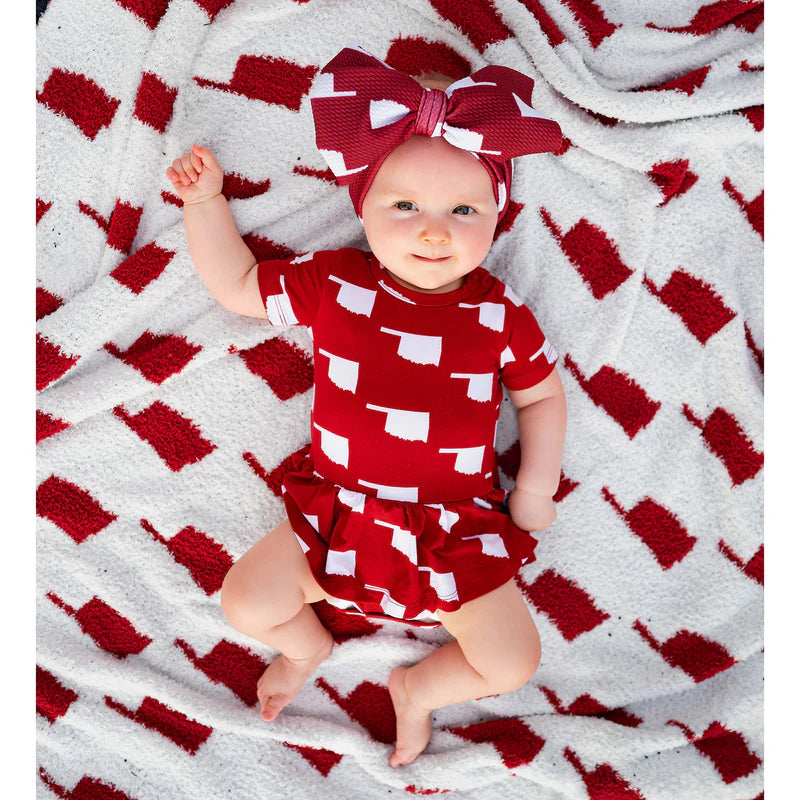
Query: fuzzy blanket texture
{"x": 165, "y": 422}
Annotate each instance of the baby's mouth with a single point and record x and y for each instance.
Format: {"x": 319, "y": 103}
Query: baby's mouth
{"x": 424, "y": 258}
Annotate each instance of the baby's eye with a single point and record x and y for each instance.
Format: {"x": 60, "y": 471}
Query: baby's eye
{"x": 403, "y": 203}
{"x": 470, "y": 210}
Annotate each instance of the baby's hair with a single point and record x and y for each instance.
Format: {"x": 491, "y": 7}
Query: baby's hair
{"x": 433, "y": 80}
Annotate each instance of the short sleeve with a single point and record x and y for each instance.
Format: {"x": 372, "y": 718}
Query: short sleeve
{"x": 529, "y": 357}
{"x": 291, "y": 289}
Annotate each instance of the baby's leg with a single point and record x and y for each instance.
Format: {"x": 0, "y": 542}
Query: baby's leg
{"x": 266, "y": 595}
{"x": 497, "y": 650}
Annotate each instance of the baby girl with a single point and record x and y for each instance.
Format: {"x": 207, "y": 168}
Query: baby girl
{"x": 395, "y": 509}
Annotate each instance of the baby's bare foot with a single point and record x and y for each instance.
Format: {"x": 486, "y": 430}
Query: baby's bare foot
{"x": 413, "y": 722}
{"x": 284, "y": 677}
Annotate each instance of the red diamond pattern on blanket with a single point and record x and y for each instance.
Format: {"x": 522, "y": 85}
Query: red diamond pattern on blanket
{"x": 415, "y": 55}
{"x": 550, "y": 29}
{"x": 618, "y": 395}
{"x": 586, "y": 705}
{"x": 213, "y": 7}
{"x": 46, "y": 303}
{"x": 724, "y": 437}
{"x": 144, "y": 266}
{"x": 47, "y": 425}
{"x": 41, "y": 208}
{"x": 85, "y": 789}
{"x": 478, "y": 20}
{"x": 122, "y": 226}
{"x": 657, "y": 527}
{"x": 237, "y": 187}
{"x": 154, "y": 102}
{"x": 206, "y": 559}
{"x": 321, "y": 759}
{"x": 569, "y": 607}
{"x": 82, "y": 101}
{"x": 230, "y": 664}
{"x": 283, "y": 365}
{"x": 269, "y": 80}
{"x": 516, "y": 743}
{"x": 698, "y": 656}
{"x": 688, "y": 83}
{"x": 674, "y": 178}
{"x": 603, "y": 782}
{"x": 157, "y": 357}
{"x": 152, "y": 714}
{"x": 106, "y": 626}
{"x": 726, "y": 749}
{"x": 754, "y": 568}
{"x": 593, "y": 253}
{"x": 51, "y": 362}
{"x": 176, "y": 439}
{"x": 701, "y": 309}
{"x": 53, "y": 699}
{"x": 71, "y": 508}
{"x": 742, "y": 14}
{"x": 368, "y": 704}
{"x": 592, "y": 19}
{"x": 753, "y": 210}
{"x": 149, "y": 11}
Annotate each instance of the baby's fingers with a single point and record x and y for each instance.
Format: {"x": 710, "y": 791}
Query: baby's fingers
{"x": 191, "y": 172}
{"x": 177, "y": 167}
{"x": 207, "y": 157}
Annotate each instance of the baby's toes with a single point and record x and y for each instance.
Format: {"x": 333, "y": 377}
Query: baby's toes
{"x": 272, "y": 707}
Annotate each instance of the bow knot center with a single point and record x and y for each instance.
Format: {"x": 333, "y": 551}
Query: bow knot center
{"x": 431, "y": 113}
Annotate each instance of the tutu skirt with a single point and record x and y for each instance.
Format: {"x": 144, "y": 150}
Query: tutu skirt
{"x": 398, "y": 560}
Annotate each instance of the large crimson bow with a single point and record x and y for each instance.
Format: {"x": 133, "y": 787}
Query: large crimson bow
{"x": 363, "y": 109}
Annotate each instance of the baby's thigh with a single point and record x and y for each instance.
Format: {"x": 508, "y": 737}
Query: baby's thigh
{"x": 497, "y": 634}
{"x": 272, "y": 579}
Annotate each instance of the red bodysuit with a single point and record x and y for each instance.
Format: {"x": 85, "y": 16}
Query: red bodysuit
{"x": 396, "y": 502}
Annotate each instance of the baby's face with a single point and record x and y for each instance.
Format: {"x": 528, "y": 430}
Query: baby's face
{"x": 430, "y": 200}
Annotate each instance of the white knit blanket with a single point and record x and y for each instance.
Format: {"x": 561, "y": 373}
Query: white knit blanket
{"x": 165, "y": 421}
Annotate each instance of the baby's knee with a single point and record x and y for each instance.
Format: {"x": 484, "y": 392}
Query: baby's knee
{"x": 519, "y": 664}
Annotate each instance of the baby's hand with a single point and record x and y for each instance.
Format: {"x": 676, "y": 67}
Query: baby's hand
{"x": 530, "y": 511}
{"x": 196, "y": 175}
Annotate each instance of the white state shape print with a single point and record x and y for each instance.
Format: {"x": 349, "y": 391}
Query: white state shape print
{"x": 480, "y": 384}
{"x": 506, "y": 356}
{"x": 417, "y": 347}
{"x": 304, "y": 257}
{"x": 501, "y": 194}
{"x": 481, "y": 503}
{"x": 353, "y": 499}
{"x": 303, "y": 546}
{"x": 512, "y": 296}
{"x": 341, "y": 562}
{"x": 447, "y": 518}
{"x": 407, "y": 493}
{"x": 313, "y": 520}
{"x": 491, "y": 315}
{"x": 443, "y": 583}
{"x": 468, "y": 460}
{"x": 386, "y": 112}
{"x": 491, "y": 544}
{"x": 342, "y": 371}
{"x": 402, "y": 540}
{"x": 548, "y": 350}
{"x": 354, "y": 298}
{"x": 335, "y": 161}
{"x": 323, "y": 87}
{"x": 388, "y": 603}
{"x": 336, "y": 447}
{"x": 279, "y": 307}
{"x": 409, "y": 425}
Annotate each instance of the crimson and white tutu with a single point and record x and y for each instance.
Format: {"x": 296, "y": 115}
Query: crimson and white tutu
{"x": 397, "y": 560}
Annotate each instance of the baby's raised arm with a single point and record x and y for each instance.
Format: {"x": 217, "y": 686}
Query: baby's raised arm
{"x": 219, "y": 254}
